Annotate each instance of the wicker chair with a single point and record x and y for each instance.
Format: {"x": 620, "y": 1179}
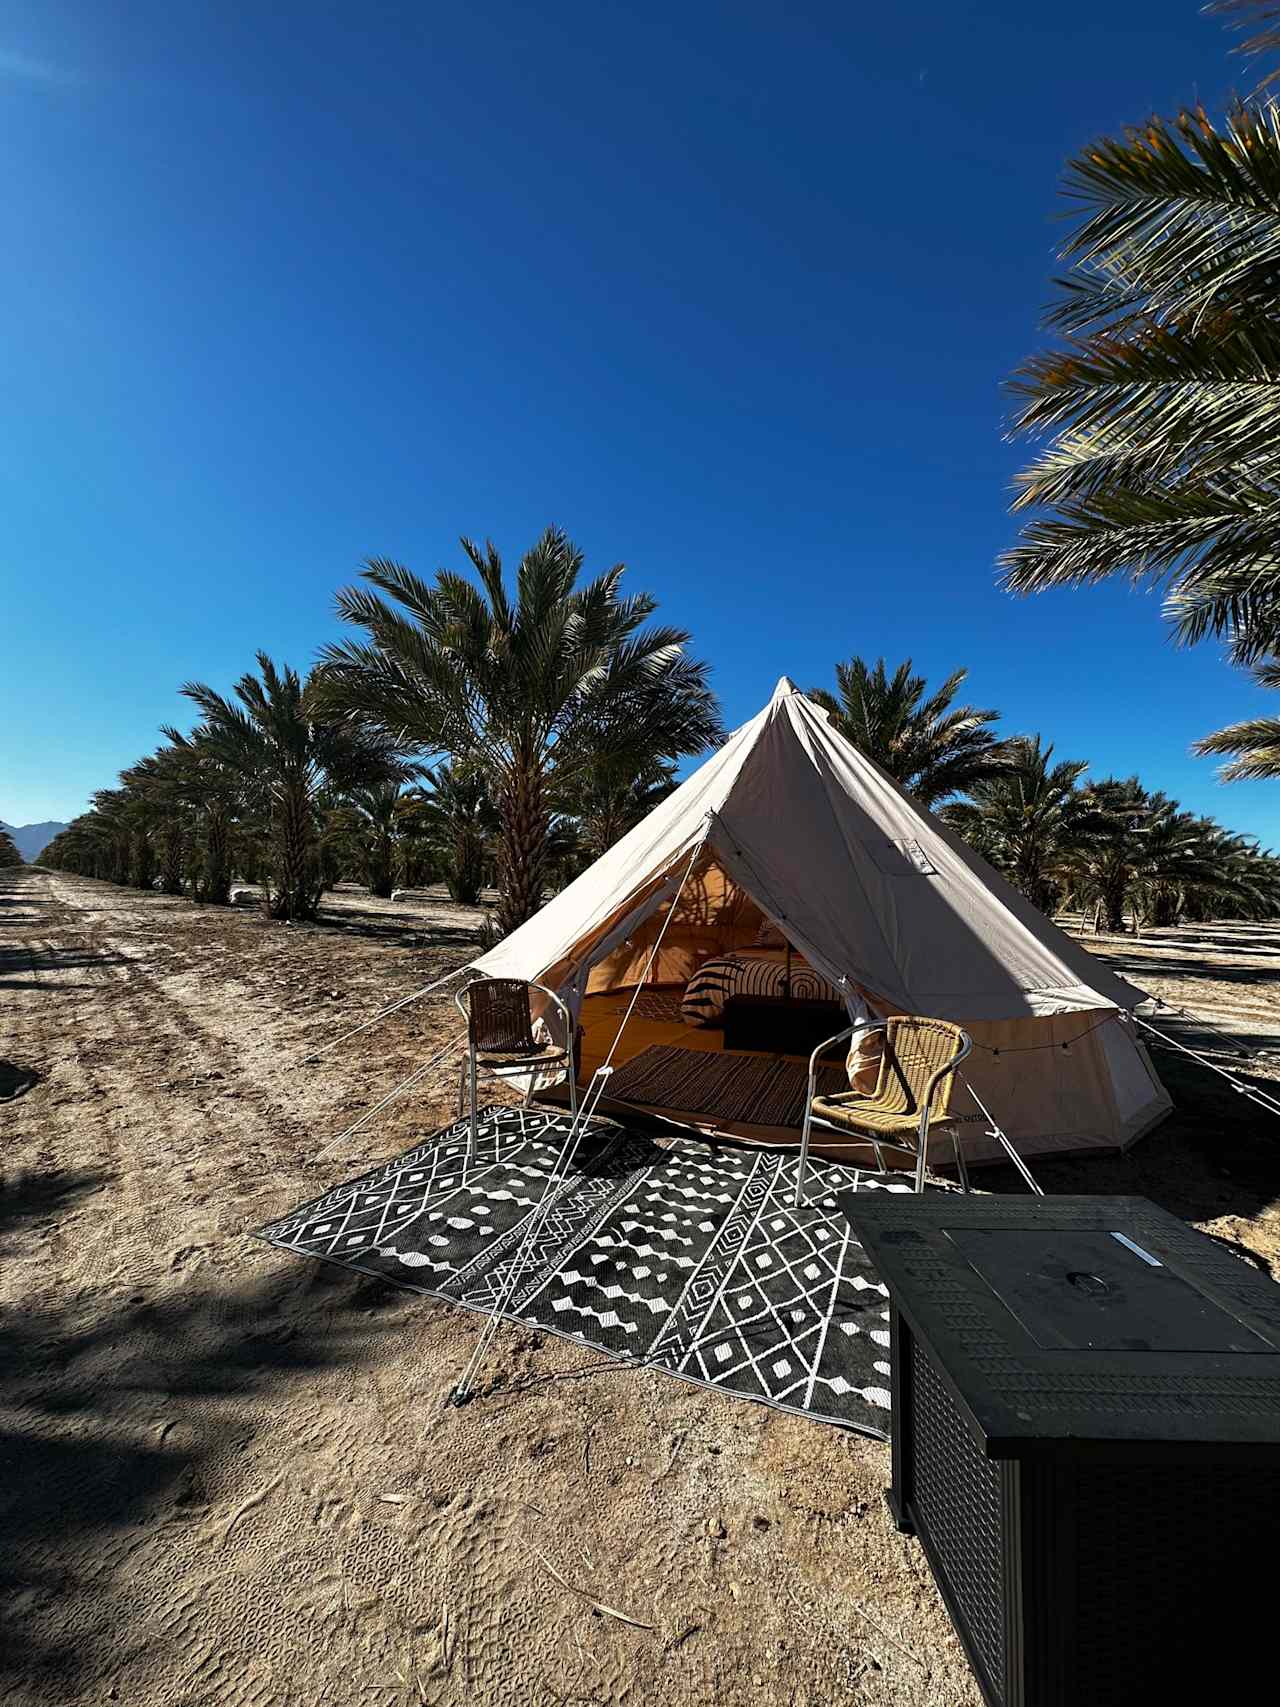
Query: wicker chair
{"x": 912, "y": 1093}
{"x": 501, "y": 1042}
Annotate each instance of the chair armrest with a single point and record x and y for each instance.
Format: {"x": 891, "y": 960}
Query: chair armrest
{"x": 943, "y": 1072}
{"x": 564, "y": 1011}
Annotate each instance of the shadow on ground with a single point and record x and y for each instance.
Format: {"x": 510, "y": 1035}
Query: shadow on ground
{"x": 28, "y": 969}
{"x": 16, "y": 1081}
{"x": 89, "y": 1451}
{"x": 1217, "y": 1154}
{"x": 1141, "y": 970}
{"x": 396, "y": 927}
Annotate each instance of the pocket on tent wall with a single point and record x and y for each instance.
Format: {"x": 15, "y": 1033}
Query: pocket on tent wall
{"x": 901, "y": 858}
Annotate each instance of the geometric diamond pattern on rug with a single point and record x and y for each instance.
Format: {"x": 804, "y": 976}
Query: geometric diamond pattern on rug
{"x": 677, "y": 1254}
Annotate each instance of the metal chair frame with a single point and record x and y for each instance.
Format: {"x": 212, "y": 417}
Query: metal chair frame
{"x": 879, "y": 1143}
{"x": 473, "y": 1061}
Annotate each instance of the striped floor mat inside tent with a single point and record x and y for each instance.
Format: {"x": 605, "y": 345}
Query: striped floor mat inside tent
{"x": 756, "y": 1090}
{"x": 680, "y": 1255}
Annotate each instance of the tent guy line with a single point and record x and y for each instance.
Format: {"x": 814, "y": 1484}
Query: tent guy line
{"x": 462, "y": 1391}
{"x": 1254, "y": 1093}
{"x": 386, "y": 1013}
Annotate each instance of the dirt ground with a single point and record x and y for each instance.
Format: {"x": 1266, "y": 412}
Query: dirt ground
{"x": 228, "y": 1476}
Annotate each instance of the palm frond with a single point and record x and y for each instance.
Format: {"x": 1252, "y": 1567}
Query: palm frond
{"x": 1162, "y": 401}
{"x": 1245, "y": 14}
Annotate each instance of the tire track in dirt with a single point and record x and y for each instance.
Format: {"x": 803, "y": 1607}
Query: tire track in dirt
{"x": 229, "y": 1475}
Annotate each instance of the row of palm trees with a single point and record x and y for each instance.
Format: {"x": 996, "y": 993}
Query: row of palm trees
{"x": 479, "y": 733}
{"x": 1109, "y": 849}
{"x": 555, "y": 712}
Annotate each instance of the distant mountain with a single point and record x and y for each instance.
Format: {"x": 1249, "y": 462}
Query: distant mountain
{"x": 32, "y": 839}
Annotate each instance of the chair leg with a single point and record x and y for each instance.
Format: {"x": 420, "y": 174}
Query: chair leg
{"x": 922, "y": 1158}
{"x": 462, "y": 1086}
{"x": 573, "y": 1088}
{"x": 803, "y": 1166}
{"x": 472, "y": 1131}
{"x": 961, "y": 1165}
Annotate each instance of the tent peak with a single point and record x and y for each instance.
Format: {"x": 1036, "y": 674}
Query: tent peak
{"x": 784, "y": 690}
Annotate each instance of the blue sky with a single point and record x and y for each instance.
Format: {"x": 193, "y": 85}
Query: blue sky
{"x": 727, "y": 291}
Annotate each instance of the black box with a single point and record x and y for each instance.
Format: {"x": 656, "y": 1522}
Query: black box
{"x": 1086, "y": 1439}
{"x": 779, "y": 1025}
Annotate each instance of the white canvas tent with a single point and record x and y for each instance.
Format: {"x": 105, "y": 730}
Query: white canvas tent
{"x": 789, "y": 821}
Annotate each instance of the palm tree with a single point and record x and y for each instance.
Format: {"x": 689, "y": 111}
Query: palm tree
{"x": 271, "y": 738}
{"x": 457, "y": 818}
{"x": 108, "y": 822}
{"x": 367, "y": 820}
{"x": 612, "y": 797}
{"x": 9, "y": 854}
{"x": 1112, "y": 853}
{"x": 159, "y": 781}
{"x": 77, "y": 848}
{"x": 216, "y": 791}
{"x": 1191, "y": 865}
{"x": 1028, "y": 820}
{"x": 1245, "y": 885}
{"x": 1253, "y": 744}
{"x": 1265, "y": 12}
{"x": 128, "y": 815}
{"x": 933, "y": 747}
{"x": 1161, "y": 397}
{"x": 530, "y": 688}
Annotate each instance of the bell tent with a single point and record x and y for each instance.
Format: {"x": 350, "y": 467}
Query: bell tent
{"x": 790, "y": 872}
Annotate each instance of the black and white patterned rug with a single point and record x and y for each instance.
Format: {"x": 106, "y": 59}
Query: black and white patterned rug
{"x": 684, "y": 1256}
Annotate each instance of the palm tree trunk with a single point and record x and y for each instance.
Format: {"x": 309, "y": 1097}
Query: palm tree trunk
{"x": 296, "y": 895}
{"x": 465, "y": 874}
{"x": 1030, "y": 879}
{"x": 526, "y": 826}
{"x": 217, "y": 868}
{"x": 380, "y": 866}
{"x": 1164, "y": 905}
{"x": 174, "y": 846}
{"x": 143, "y": 864}
{"x": 1113, "y": 897}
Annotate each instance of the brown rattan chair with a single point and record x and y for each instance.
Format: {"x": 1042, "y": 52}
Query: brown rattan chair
{"x": 501, "y": 1041}
{"x": 912, "y": 1093}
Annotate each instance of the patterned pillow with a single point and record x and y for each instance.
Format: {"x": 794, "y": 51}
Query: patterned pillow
{"x": 769, "y": 936}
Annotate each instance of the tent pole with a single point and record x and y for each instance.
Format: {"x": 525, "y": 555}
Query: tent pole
{"x": 460, "y": 1394}
{"x": 1002, "y": 1138}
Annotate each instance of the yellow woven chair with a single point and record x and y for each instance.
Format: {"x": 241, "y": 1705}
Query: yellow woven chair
{"x": 912, "y": 1093}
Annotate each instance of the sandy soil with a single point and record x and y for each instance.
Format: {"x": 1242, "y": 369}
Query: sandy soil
{"x": 228, "y": 1476}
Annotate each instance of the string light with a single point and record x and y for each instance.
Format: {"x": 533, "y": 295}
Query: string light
{"x": 1031, "y": 1048}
